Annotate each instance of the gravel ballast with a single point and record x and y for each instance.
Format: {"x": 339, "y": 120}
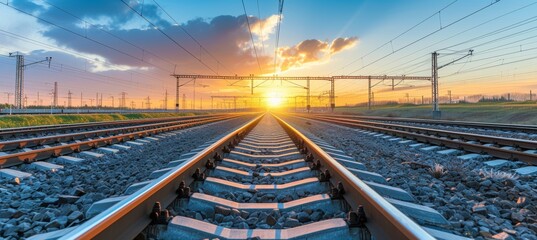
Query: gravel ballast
{"x": 476, "y": 203}
{"x": 50, "y": 201}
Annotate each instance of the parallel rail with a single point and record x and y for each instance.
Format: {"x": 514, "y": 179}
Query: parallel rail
{"x": 39, "y": 141}
{"x": 121, "y": 136}
{"x": 130, "y": 216}
{"x": 384, "y": 221}
{"x": 439, "y": 137}
{"x": 481, "y": 125}
{"x": 13, "y": 132}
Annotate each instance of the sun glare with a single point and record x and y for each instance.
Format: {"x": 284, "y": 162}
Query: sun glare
{"x": 274, "y": 100}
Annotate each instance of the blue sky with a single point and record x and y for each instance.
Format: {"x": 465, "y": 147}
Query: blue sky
{"x": 502, "y": 37}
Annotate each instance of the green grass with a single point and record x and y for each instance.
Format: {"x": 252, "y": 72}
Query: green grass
{"x": 35, "y": 120}
{"x": 503, "y": 112}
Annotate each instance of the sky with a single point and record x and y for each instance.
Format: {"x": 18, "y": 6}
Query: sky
{"x": 107, "y": 47}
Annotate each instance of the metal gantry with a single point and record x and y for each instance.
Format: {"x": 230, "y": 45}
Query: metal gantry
{"x": 332, "y": 79}
{"x": 434, "y": 81}
{"x": 19, "y": 76}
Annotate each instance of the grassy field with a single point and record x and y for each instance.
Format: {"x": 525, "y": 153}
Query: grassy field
{"x": 504, "y": 112}
{"x": 34, "y": 120}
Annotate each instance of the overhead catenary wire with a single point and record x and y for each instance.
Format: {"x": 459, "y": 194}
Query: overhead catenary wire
{"x": 261, "y": 28}
{"x": 193, "y": 38}
{"x": 36, "y": 42}
{"x": 110, "y": 33}
{"x": 276, "y": 46}
{"x": 398, "y": 60}
{"x": 390, "y": 42}
{"x": 251, "y": 36}
{"x": 77, "y": 34}
{"x": 427, "y": 35}
{"x": 169, "y": 37}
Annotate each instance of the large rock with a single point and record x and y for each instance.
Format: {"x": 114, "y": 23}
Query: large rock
{"x": 222, "y": 210}
{"x": 291, "y": 222}
{"x": 270, "y": 220}
{"x": 76, "y": 215}
{"x": 517, "y": 217}
{"x": 303, "y": 217}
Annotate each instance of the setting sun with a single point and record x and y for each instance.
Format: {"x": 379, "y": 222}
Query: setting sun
{"x": 274, "y": 100}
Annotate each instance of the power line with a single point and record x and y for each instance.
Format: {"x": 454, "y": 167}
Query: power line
{"x": 398, "y": 60}
{"x": 280, "y": 10}
{"x": 261, "y": 28}
{"x": 498, "y": 31}
{"x": 251, "y": 36}
{"x": 111, "y": 34}
{"x": 192, "y": 37}
{"x": 168, "y": 36}
{"x": 32, "y": 41}
{"x": 77, "y": 34}
{"x": 419, "y": 39}
{"x": 395, "y": 38}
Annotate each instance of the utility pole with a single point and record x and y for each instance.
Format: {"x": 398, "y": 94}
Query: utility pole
{"x": 308, "y": 102}
{"x": 531, "y": 96}
{"x": 166, "y": 100}
{"x": 8, "y": 97}
{"x": 8, "y": 102}
{"x": 55, "y": 94}
{"x": 38, "y": 102}
{"x": 194, "y": 96}
{"x": 19, "y": 76}
{"x": 177, "y": 94}
{"x": 69, "y": 95}
{"x": 112, "y": 101}
{"x": 434, "y": 81}
{"x": 332, "y": 95}
{"x": 81, "y": 103}
{"x": 148, "y": 104}
{"x": 122, "y": 102}
{"x": 369, "y": 93}
{"x": 407, "y": 98}
{"x": 449, "y": 94}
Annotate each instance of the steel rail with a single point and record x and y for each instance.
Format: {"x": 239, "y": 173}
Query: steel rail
{"x": 130, "y": 216}
{"x": 45, "y": 153}
{"x": 437, "y": 137}
{"x": 39, "y": 141}
{"x": 384, "y": 221}
{"x": 521, "y": 143}
{"x": 7, "y": 132}
{"x": 482, "y": 125}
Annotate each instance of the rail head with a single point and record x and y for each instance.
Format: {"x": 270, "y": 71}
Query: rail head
{"x": 130, "y": 216}
{"x": 384, "y": 221}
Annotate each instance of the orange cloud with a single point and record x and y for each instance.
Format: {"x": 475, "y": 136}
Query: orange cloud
{"x": 340, "y": 44}
{"x": 312, "y": 50}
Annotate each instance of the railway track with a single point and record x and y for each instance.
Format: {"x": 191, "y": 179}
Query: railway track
{"x": 37, "y": 131}
{"x": 476, "y": 125}
{"x": 265, "y": 180}
{"x": 35, "y": 149}
{"x": 499, "y": 147}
